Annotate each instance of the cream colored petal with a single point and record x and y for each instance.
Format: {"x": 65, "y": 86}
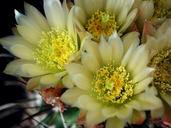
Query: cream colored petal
{"x": 128, "y": 54}
{"x": 26, "y": 21}
{"x": 142, "y": 63}
{"x": 111, "y": 5}
{"x": 148, "y": 101}
{"x": 94, "y": 117}
{"x": 117, "y": 47}
{"x": 129, "y": 39}
{"x": 109, "y": 112}
{"x": 33, "y": 83}
{"x": 91, "y": 6}
{"x": 44, "y": 81}
{"x": 143, "y": 74}
{"x": 51, "y": 80}
{"x": 130, "y": 18}
{"x": 71, "y": 95}
{"x": 31, "y": 35}
{"x": 55, "y": 13}
{"x": 163, "y": 28}
{"x": 124, "y": 112}
{"x": 36, "y": 16}
{"x": 124, "y": 11}
{"x": 134, "y": 104}
{"x": 90, "y": 56}
{"x": 18, "y": 47}
{"x": 66, "y": 5}
{"x": 118, "y": 6}
{"x": 152, "y": 90}
{"x": 80, "y": 15}
{"x": 105, "y": 51}
{"x": 24, "y": 69}
{"x": 86, "y": 102}
{"x": 138, "y": 60}
{"x": 166, "y": 98}
{"x": 71, "y": 25}
{"x": 115, "y": 123}
{"x": 142, "y": 85}
{"x": 75, "y": 68}
{"x": 147, "y": 9}
{"x": 81, "y": 81}
{"x": 67, "y": 82}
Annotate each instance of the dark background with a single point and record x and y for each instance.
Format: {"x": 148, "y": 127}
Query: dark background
{"x": 11, "y": 91}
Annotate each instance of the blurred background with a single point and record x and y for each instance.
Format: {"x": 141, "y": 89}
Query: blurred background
{"x": 15, "y": 101}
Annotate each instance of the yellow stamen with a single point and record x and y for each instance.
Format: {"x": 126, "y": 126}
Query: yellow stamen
{"x": 101, "y": 23}
{"x": 162, "y": 76}
{"x": 112, "y": 85}
{"x": 55, "y": 49}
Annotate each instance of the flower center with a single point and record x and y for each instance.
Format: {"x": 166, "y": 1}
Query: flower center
{"x": 101, "y": 23}
{"x": 162, "y": 76}
{"x": 159, "y": 10}
{"x": 55, "y": 49}
{"x": 112, "y": 85}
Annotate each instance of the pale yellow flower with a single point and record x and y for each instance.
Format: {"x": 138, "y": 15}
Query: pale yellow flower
{"x": 160, "y": 58}
{"x": 43, "y": 46}
{"x": 102, "y": 17}
{"x": 111, "y": 81}
{"x": 155, "y": 11}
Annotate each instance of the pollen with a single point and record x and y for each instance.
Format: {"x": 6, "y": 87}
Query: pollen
{"x": 162, "y": 75}
{"x": 112, "y": 85}
{"x": 159, "y": 10}
{"x": 101, "y": 23}
{"x": 54, "y": 49}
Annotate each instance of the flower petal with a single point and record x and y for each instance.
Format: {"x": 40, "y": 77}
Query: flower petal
{"x": 129, "y": 39}
{"x": 80, "y": 15}
{"x": 31, "y": 35}
{"x": 136, "y": 64}
{"x": 24, "y": 69}
{"x": 105, "y": 51}
{"x": 18, "y": 47}
{"x": 141, "y": 86}
{"x": 90, "y": 55}
{"x": 143, "y": 74}
{"x": 81, "y": 81}
{"x": 109, "y": 112}
{"x": 90, "y": 6}
{"x": 115, "y": 122}
{"x": 124, "y": 112}
{"x": 74, "y": 68}
{"x": 117, "y": 47}
{"x": 146, "y": 9}
{"x": 124, "y": 11}
{"x": 71, "y": 95}
{"x": 71, "y": 26}
{"x": 55, "y": 13}
{"x": 94, "y": 117}
{"x": 130, "y": 18}
{"x": 148, "y": 101}
{"x": 87, "y": 103}
{"x": 128, "y": 54}
{"x": 67, "y": 82}
{"x": 36, "y": 16}
{"x": 52, "y": 79}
